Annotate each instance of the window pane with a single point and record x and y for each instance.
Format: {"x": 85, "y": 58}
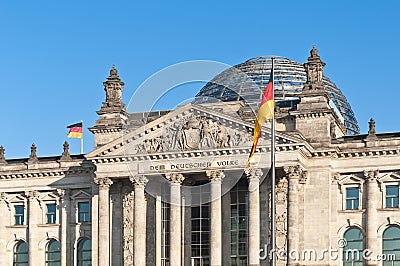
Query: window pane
{"x": 84, "y": 252}
{"x": 352, "y": 192}
{"x": 392, "y": 191}
{"x": 391, "y": 245}
{"x": 352, "y": 253}
{"x": 19, "y": 214}
{"x": 83, "y": 212}
{"x": 239, "y": 225}
{"x": 21, "y": 254}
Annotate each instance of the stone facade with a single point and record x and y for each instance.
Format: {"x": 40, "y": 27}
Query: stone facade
{"x": 145, "y": 194}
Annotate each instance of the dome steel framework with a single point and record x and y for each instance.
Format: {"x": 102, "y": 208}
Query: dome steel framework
{"x": 247, "y": 80}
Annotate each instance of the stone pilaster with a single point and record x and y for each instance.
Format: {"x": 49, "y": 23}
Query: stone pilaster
{"x": 281, "y": 218}
{"x": 216, "y": 177}
{"x": 139, "y": 231}
{"x": 293, "y": 175}
{"x": 104, "y": 184}
{"x": 65, "y": 211}
{"x": 33, "y": 211}
{"x": 254, "y": 176}
{"x": 373, "y": 195}
{"x": 128, "y": 215}
{"x": 4, "y": 209}
{"x": 175, "y": 218}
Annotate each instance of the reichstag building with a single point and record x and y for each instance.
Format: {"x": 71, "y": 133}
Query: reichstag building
{"x": 171, "y": 187}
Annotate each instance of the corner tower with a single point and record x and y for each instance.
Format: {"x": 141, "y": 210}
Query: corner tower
{"x": 112, "y": 114}
{"x": 316, "y": 117}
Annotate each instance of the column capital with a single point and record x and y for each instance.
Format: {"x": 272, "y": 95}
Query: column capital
{"x": 32, "y": 195}
{"x": 292, "y": 171}
{"x": 175, "y": 178}
{"x": 371, "y": 175}
{"x": 215, "y": 175}
{"x": 103, "y": 182}
{"x": 4, "y": 199}
{"x": 253, "y": 174}
{"x": 139, "y": 180}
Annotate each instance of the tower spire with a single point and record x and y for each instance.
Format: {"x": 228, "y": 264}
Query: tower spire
{"x": 315, "y": 71}
{"x": 112, "y": 114}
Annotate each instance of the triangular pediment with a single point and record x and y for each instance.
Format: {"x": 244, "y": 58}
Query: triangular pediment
{"x": 193, "y": 128}
{"x": 389, "y": 177}
{"x": 350, "y": 179}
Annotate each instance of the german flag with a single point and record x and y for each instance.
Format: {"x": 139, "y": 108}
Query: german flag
{"x": 75, "y": 130}
{"x": 265, "y": 112}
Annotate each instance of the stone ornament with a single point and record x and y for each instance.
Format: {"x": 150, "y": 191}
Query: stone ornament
{"x": 175, "y": 178}
{"x": 103, "y": 182}
{"x": 371, "y": 175}
{"x": 32, "y": 195}
{"x": 253, "y": 174}
{"x": 139, "y": 180}
{"x": 127, "y": 204}
{"x": 2, "y": 156}
{"x": 65, "y": 155}
{"x": 113, "y": 87}
{"x": 215, "y": 175}
{"x": 314, "y": 70}
{"x": 296, "y": 172}
{"x": 192, "y": 133}
{"x": 4, "y": 200}
{"x": 33, "y": 157}
{"x": 281, "y": 191}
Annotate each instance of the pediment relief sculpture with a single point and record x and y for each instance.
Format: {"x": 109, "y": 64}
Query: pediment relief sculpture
{"x": 194, "y": 133}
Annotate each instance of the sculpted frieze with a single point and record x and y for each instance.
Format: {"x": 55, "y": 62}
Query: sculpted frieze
{"x": 194, "y": 133}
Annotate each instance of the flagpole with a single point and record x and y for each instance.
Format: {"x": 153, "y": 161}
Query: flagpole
{"x": 273, "y": 207}
{"x": 82, "y": 138}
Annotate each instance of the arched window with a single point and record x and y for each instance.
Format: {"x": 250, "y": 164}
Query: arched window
{"x": 85, "y": 252}
{"x": 21, "y": 254}
{"x": 53, "y": 255}
{"x": 352, "y": 252}
{"x": 391, "y": 246}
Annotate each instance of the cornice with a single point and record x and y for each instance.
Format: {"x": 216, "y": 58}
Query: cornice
{"x": 196, "y": 153}
{"x": 43, "y": 173}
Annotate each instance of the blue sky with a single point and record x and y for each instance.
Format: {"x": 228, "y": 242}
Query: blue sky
{"x": 54, "y": 55}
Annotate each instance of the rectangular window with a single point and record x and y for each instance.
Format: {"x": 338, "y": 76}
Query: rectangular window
{"x": 239, "y": 223}
{"x": 352, "y": 198}
{"x": 83, "y": 212}
{"x": 51, "y": 213}
{"x": 165, "y": 226}
{"x": 200, "y": 223}
{"x": 19, "y": 214}
{"x": 392, "y": 196}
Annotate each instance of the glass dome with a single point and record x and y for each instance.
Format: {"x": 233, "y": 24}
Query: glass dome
{"x": 246, "y": 82}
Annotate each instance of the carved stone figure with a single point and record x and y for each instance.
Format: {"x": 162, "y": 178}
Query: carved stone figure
{"x": 202, "y": 133}
{"x": 2, "y": 157}
{"x": 127, "y": 204}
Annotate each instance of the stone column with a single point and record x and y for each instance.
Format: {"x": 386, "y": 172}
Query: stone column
{"x": 95, "y": 227}
{"x": 292, "y": 175}
{"x": 33, "y": 211}
{"x": 175, "y": 218}
{"x": 372, "y": 198}
{"x": 254, "y": 175}
{"x": 216, "y": 177}
{"x": 104, "y": 184}
{"x": 139, "y": 231}
{"x": 4, "y": 210}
